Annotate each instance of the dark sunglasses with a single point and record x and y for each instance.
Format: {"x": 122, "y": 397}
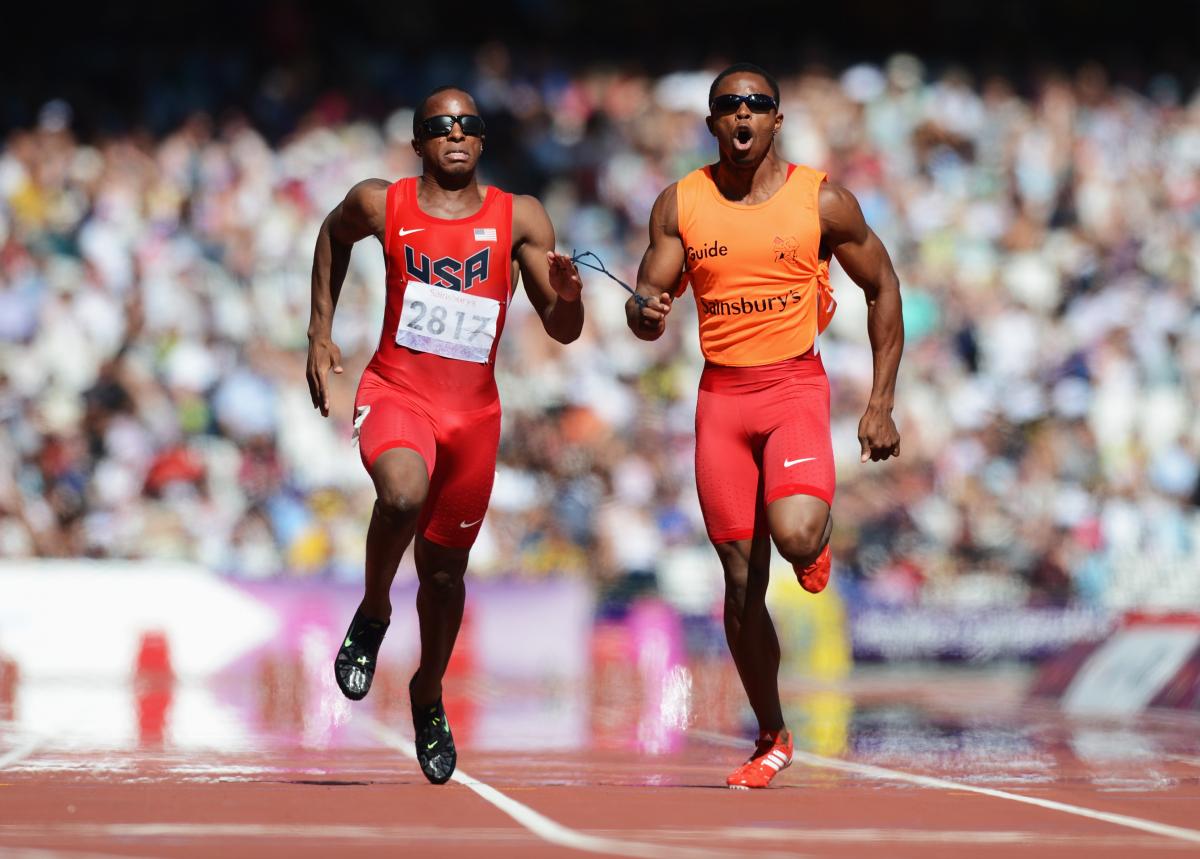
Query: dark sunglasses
{"x": 441, "y": 126}
{"x": 757, "y": 102}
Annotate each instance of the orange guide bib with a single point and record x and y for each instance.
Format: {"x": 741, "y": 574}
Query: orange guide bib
{"x": 762, "y": 291}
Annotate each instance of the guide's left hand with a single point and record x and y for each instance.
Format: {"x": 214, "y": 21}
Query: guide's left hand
{"x": 564, "y": 277}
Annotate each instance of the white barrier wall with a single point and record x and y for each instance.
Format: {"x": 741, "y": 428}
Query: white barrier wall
{"x": 72, "y": 619}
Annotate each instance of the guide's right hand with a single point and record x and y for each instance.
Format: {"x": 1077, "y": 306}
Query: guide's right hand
{"x": 323, "y": 355}
{"x": 649, "y": 320}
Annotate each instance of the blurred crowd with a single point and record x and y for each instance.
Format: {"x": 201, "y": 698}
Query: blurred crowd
{"x": 154, "y": 297}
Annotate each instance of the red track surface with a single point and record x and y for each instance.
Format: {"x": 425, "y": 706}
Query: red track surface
{"x": 292, "y": 793}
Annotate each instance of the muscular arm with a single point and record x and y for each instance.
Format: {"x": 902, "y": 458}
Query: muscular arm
{"x": 846, "y": 234}
{"x": 659, "y": 273}
{"x": 361, "y": 214}
{"x": 551, "y": 282}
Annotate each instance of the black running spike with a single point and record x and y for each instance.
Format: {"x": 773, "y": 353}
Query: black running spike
{"x": 434, "y": 741}
{"x": 354, "y": 667}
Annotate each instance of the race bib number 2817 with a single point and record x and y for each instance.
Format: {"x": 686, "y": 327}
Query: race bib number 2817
{"x": 447, "y": 322}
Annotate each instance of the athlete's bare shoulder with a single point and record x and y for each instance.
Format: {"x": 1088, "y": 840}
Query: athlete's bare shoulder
{"x": 526, "y": 205}
{"x": 664, "y": 215}
{"x": 368, "y": 185}
{"x": 368, "y": 197}
{"x": 529, "y": 218}
{"x": 363, "y": 212}
{"x": 841, "y": 217}
{"x": 833, "y": 196}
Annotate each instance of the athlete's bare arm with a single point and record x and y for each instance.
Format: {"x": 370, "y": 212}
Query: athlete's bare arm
{"x": 551, "y": 280}
{"x": 844, "y": 233}
{"x": 658, "y": 275}
{"x": 361, "y": 214}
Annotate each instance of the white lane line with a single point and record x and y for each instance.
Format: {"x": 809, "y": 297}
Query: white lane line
{"x": 57, "y": 853}
{"x": 940, "y": 836}
{"x": 267, "y": 831}
{"x": 542, "y": 826}
{"x": 397, "y": 834}
{"x": 21, "y": 752}
{"x": 872, "y": 771}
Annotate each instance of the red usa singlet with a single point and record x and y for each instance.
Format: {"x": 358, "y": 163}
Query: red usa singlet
{"x": 449, "y": 282}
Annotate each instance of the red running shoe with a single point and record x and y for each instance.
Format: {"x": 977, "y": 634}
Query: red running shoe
{"x": 772, "y": 753}
{"x": 815, "y": 576}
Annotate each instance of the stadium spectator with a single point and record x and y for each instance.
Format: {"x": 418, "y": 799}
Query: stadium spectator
{"x": 154, "y": 297}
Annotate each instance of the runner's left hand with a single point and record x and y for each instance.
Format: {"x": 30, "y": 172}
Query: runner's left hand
{"x": 564, "y": 277}
{"x": 878, "y": 435}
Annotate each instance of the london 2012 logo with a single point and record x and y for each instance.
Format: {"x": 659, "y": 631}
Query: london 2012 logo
{"x": 787, "y": 249}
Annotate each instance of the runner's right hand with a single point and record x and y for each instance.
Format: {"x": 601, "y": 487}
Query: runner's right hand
{"x": 648, "y": 321}
{"x": 323, "y": 355}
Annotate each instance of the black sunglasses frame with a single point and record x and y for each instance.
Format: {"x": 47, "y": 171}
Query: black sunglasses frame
{"x": 465, "y": 121}
{"x": 758, "y": 102}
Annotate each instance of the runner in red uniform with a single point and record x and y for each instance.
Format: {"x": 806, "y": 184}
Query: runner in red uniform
{"x": 427, "y": 414}
{"x": 754, "y": 236}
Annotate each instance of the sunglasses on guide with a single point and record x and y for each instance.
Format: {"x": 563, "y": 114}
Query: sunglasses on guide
{"x": 442, "y": 126}
{"x": 757, "y": 102}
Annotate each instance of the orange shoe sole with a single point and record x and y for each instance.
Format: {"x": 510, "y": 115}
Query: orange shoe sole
{"x": 815, "y": 576}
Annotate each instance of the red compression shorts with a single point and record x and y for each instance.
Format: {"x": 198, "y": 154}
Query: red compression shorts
{"x": 459, "y": 449}
{"x": 762, "y": 433}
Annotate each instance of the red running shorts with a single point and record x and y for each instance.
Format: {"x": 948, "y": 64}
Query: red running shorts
{"x": 458, "y": 446}
{"x": 762, "y": 433}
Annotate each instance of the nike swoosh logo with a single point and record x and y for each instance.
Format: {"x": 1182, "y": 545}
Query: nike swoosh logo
{"x": 470, "y": 524}
{"x": 405, "y": 232}
{"x": 348, "y": 642}
{"x": 430, "y": 745}
{"x": 788, "y": 463}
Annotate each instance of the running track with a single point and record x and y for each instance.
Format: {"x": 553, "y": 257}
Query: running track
{"x": 927, "y": 765}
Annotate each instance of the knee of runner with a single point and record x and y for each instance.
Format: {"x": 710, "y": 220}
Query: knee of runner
{"x": 800, "y": 544}
{"x": 444, "y": 583}
{"x": 398, "y": 506}
{"x": 735, "y": 592}
{"x": 737, "y": 582}
{"x": 734, "y": 561}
